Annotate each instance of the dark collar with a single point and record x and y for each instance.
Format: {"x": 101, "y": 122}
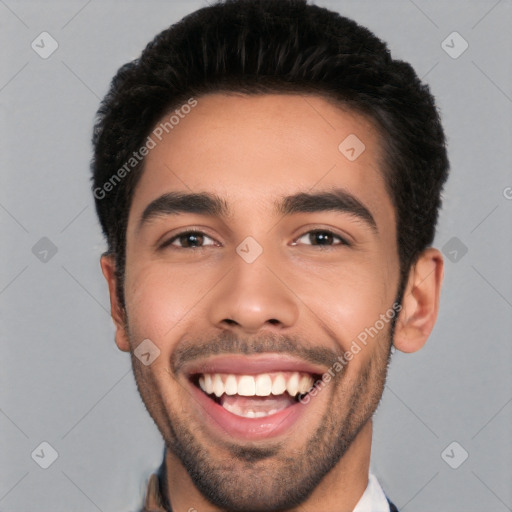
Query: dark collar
{"x": 392, "y": 507}
{"x": 157, "y": 494}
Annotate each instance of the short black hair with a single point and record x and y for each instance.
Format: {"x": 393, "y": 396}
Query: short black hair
{"x": 264, "y": 47}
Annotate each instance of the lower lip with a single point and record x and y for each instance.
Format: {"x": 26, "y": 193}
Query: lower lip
{"x": 247, "y": 428}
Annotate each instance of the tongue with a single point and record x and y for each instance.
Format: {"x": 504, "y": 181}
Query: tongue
{"x": 258, "y": 405}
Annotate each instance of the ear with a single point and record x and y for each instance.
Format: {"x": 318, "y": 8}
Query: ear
{"x": 108, "y": 267}
{"x": 420, "y": 303}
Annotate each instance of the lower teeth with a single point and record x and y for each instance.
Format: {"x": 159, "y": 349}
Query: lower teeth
{"x": 248, "y": 413}
{"x": 255, "y": 407}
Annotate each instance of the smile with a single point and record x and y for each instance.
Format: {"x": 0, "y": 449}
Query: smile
{"x": 251, "y": 397}
{"x": 256, "y": 396}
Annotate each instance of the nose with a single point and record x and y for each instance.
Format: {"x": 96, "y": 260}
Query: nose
{"x": 253, "y": 296}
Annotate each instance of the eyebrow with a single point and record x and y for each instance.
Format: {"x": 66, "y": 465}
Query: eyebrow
{"x": 174, "y": 203}
{"x": 337, "y": 200}
{"x": 205, "y": 203}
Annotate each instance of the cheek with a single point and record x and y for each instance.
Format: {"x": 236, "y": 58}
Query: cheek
{"x": 160, "y": 300}
{"x": 348, "y": 301}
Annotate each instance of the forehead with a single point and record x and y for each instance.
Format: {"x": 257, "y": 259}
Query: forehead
{"x": 254, "y": 149}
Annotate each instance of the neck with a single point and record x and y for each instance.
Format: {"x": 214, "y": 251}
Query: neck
{"x": 339, "y": 490}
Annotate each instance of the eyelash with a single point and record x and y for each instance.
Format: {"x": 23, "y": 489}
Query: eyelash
{"x": 342, "y": 241}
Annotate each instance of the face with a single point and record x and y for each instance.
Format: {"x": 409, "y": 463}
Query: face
{"x": 258, "y": 252}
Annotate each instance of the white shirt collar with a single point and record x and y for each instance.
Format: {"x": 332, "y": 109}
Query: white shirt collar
{"x": 373, "y": 498}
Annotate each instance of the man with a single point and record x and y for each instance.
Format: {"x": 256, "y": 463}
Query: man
{"x": 268, "y": 179}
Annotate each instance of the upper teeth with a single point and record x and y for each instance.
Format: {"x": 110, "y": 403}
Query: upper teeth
{"x": 263, "y": 384}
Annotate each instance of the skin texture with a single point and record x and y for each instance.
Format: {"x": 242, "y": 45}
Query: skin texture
{"x": 298, "y": 295}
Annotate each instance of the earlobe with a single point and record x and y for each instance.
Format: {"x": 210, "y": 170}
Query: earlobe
{"x": 108, "y": 268}
{"x": 420, "y": 303}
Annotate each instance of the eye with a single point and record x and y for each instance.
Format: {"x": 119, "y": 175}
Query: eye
{"x": 189, "y": 240}
{"x": 321, "y": 237}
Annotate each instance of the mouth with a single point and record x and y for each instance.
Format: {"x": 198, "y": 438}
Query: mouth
{"x": 253, "y": 397}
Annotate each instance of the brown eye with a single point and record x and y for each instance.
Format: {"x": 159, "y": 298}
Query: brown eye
{"x": 322, "y": 238}
{"x": 189, "y": 240}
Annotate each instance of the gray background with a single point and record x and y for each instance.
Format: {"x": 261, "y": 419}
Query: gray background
{"x": 63, "y": 380}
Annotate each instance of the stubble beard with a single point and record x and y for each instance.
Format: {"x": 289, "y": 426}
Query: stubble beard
{"x": 275, "y": 477}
